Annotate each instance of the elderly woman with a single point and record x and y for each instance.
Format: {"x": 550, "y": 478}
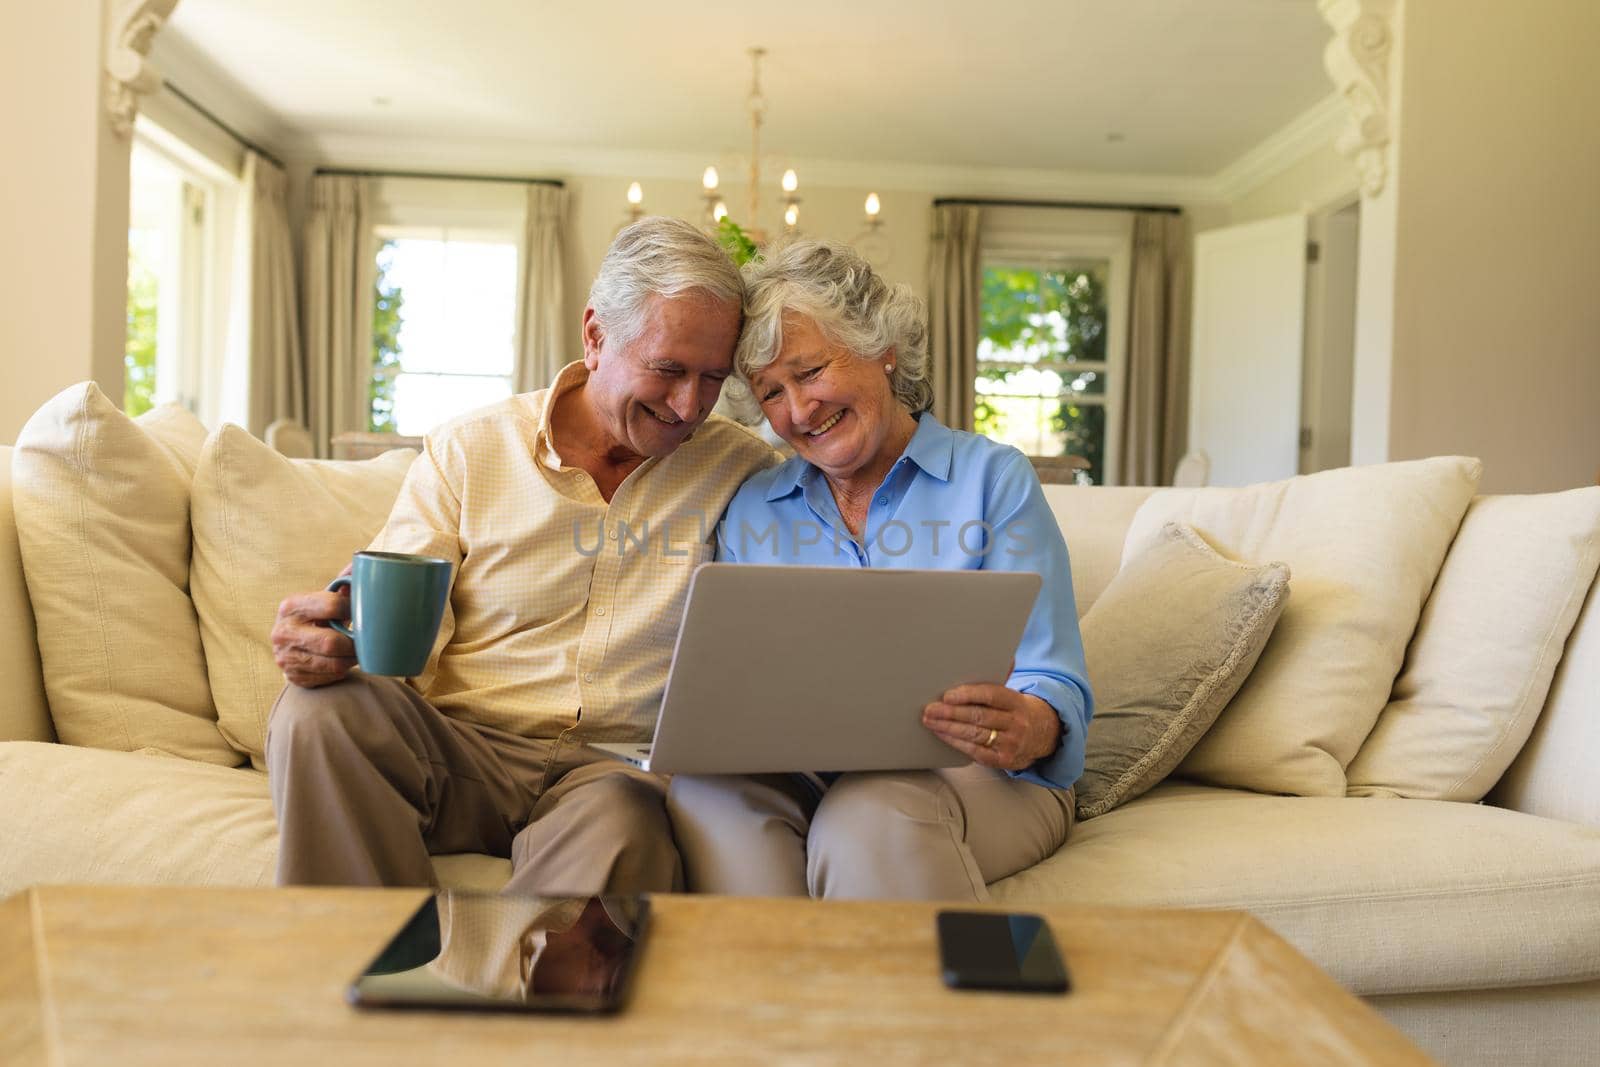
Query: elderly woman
{"x": 835, "y": 358}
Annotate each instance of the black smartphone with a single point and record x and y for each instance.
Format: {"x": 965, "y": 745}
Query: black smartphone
{"x": 1000, "y": 950}
{"x": 469, "y": 951}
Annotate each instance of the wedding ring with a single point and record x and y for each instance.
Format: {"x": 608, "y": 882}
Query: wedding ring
{"x": 993, "y": 733}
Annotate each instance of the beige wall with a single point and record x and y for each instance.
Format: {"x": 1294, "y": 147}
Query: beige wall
{"x": 1497, "y": 241}
{"x": 65, "y": 227}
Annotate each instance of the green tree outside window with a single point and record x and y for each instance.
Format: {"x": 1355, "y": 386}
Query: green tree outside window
{"x": 139, "y": 352}
{"x": 387, "y": 319}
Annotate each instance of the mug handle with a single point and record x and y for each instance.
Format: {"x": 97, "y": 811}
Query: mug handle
{"x": 341, "y": 582}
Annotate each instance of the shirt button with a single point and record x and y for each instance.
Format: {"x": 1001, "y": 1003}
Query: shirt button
{"x": 612, "y": 533}
{"x": 599, "y": 611}
{"x": 589, "y": 677}
{"x": 883, "y": 500}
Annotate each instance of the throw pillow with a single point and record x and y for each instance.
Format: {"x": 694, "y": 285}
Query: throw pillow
{"x": 1365, "y": 544}
{"x": 1168, "y": 644}
{"x": 266, "y": 526}
{"x": 1480, "y": 665}
{"x": 102, "y": 512}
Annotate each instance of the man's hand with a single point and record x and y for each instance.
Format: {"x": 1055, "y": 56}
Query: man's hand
{"x": 308, "y": 654}
{"x": 998, "y": 727}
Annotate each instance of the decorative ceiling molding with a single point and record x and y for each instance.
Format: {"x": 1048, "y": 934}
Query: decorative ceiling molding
{"x": 133, "y": 25}
{"x": 1316, "y": 127}
{"x": 1357, "y": 59}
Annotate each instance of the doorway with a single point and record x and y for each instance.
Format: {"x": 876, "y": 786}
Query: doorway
{"x": 1328, "y": 369}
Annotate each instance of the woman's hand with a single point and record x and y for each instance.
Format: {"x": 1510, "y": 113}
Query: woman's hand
{"x": 996, "y": 726}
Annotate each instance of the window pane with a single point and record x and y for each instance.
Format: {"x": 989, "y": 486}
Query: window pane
{"x": 1052, "y": 317}
{"x": 422, "y": 401}
{"x": 1080, "y": 430}
{"x": 459, "y": 307}
{"x": 154, "y": 205}
{"x": 442, "y": 307}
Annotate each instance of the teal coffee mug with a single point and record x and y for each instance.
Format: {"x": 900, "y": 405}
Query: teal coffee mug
{"x": 396, "y": 602}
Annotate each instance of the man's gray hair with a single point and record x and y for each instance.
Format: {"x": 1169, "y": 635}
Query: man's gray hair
{"x": 658, "y": 256}
{"x": 833, "y": 286}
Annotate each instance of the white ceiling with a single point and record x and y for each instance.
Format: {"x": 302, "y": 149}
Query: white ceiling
{"x": 1154, "y": 87}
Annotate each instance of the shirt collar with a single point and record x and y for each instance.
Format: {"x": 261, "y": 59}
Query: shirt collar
{"x": 932, "y": 447}
{"x": 570, "y": 377}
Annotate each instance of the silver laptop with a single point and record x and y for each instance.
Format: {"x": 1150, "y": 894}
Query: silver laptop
{"x": 826, "y": 668}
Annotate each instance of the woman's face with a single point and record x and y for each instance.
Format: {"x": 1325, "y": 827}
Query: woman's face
{"x": 834, "y": 407}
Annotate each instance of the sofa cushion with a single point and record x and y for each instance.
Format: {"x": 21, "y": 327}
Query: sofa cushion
{"x": 102, "y": 511}
{"x": 1364, "y": 544}
{"x": 89, "y": 816}
{"x": 1168, "y": 644}
{"x": 1491, "y": 634}
{"x": 1094, "y": 520}
{"x": 1389, "y": 896}
{"x": 266, "y": 526}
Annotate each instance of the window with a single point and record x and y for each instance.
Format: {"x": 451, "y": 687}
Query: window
{"x": 181, "y": 214}
{"x": 443, "y": 325}
{"x": 1051, "y": 336}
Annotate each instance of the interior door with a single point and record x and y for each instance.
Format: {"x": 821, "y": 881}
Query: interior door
{"x": 1246, "y": 349}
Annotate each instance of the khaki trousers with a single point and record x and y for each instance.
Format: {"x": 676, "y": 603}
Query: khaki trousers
{"x": 925, "y": 835}
{"x": 368, "y": 780}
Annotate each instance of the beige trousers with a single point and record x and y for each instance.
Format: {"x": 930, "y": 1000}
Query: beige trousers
{"x": 368, "y": 780}
{"x": 926, "y": 835}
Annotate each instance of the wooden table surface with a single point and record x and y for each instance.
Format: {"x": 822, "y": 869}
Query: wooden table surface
{"x": 244, "y": 976}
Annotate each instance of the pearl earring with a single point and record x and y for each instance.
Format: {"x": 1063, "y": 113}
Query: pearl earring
{"x": 888, "y": 368}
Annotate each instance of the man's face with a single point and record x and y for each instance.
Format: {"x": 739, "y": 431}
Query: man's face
{"x": 652, "y": 392}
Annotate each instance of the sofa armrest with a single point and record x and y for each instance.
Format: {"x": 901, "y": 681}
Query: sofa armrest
{"x": 1554, "y": 774}
{"x": 24, "y": 713}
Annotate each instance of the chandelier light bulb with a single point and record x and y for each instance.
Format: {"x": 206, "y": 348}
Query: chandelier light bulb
{"x": 709, "y": 179}
{"x": 790, "y": 181}
{"x": 635, "y": 194}
{"x": 873, "y": 207}
{"x": 719, "y": 212}
{"x": 791, "y": 216}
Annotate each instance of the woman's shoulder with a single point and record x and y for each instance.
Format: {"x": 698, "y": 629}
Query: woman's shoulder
{"x": 752, "y": 495}
{"x": 972, "y": 454}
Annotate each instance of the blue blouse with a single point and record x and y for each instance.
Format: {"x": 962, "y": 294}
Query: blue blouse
{"x": 953, "y": 501}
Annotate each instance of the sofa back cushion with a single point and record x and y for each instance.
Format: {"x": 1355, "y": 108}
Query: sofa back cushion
{"x": 1364, "y": 544}
{"x": 24, "y": 714}
{"x": 1094, "y": 519}
{"x": 266, "y": 526}
{"x": 1487, "y": 645}
{"x": 1553, "y": 776}
{"x": 102, "y": 511}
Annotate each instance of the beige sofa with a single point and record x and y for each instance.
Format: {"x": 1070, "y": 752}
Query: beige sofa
{"x": 1474, "y": 927}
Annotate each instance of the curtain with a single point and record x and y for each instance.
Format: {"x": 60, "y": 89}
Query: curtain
{"x": 954, "y": 284}
{"x": 1156, "y": 386}
{"x": 336, "y": 308}
{"x": 277, "y": 388}
{"x": 544, "y": 339}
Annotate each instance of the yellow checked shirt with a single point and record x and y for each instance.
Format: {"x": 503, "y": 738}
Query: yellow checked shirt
{"x": 564, "y": 609}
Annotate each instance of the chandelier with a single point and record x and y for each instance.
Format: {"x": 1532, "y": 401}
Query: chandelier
{"x": 870, "y": 240}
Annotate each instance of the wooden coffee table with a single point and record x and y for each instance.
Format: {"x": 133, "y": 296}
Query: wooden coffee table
{"x": 222, "y": 976}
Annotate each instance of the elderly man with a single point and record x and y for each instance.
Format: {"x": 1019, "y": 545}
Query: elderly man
{"x": 574, "y": 517}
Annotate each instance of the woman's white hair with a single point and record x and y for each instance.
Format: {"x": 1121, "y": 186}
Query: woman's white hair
{"x": 658, "y": 256}
{"x": 838, "y": 290}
